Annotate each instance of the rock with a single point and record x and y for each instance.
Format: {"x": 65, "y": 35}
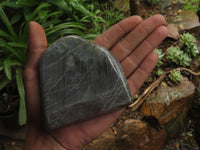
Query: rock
{"x": 169, "y": 105}
{"x": 80, "y": 80}
{"x": 132, "y": 134}
{"x": 136, "y": 135}
{"x": 158, "y": 139}
{"x": 187, "y": 20}
{"x": 164, "y": 3}
{"x": 103, "y": 142}
{"x": 173, "y": 31}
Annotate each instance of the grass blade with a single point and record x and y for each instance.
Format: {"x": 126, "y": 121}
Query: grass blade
{"x": 26, "y": 3}
{"x": 3, "y": 83}
{"x": 7, "y": 23}
{"x": 22, "y": 106}
{"x": 6, "y": 35}
{"x": 67, "y": 32}
{"x": 38, "y": 18}
{"x": 11, "y": 3}
{"x": 18, "y": 44}
{"x": 65, "y": 26}
{"x": 15, "y": 18}
{"x": 41, "y": 6}
{"x": 61, "y": 4}
{"x": 17, "y": 54}
{"x": 7, "y": 68}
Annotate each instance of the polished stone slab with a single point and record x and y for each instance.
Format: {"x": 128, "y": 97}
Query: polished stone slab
{"x": 80, "y": 80}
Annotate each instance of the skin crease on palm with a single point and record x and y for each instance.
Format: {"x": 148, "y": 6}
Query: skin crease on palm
{"x": 131, "y": 41}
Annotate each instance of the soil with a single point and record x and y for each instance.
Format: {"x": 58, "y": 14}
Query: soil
{"x": 9, "y": 99}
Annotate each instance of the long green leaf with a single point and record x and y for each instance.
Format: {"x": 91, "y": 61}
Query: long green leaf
{"x": 21, "y": 36}
{"x": 7, "y": 68}
{"x": 26, "y": 3}
{"x": 6, "y": 35}
{"x": 15, "y": 18}
{"x": 61, "y": 4}
{"x": 14, "y": 62}
{"x": 3, "y": 83}
{"x": 11, "y": 3}
{"x": 41, "y": 6}
{"x": 67, "y": 32}
{"x": 51, "y": 23}
{"x": 18, "y": 44}
{"x": 8, "y": 48}
{"x": 38, "y": 18}
{"x": 7, "y": 23}
{"x": 22, "y": 105}
{"x": 65, "y": 26}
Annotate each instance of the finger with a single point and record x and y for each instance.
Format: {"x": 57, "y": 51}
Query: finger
{"x": 130, "y": 63}
{"x": 37, "y": 45}
{"x": 136, "y": 36}
{"x": 116, "y": 32}
{"x": 136, "y": 80}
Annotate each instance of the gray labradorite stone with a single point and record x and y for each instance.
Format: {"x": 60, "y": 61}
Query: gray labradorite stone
{"x": 80, "y": 80}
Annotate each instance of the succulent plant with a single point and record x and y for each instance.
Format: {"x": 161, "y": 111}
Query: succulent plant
{"x": 159, "y": 72}
{"x": 175, "y": 76}
{"x": 160, "y": 56}
{"x": 188, "y": 44}
{"x": 177, "y": 56}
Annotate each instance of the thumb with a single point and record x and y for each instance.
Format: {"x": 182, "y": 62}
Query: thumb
{"x": 37, "y": 45}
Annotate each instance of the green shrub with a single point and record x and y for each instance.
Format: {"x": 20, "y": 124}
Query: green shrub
{"x": 177, "y": 56}
{"x": 175, "y": 76}
{"x": 188, "y": 44}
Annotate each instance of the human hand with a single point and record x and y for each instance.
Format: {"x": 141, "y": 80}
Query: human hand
{"x": 131, "y": 41}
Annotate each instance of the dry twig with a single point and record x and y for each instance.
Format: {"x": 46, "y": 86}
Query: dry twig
{"x": 142, "y": 97}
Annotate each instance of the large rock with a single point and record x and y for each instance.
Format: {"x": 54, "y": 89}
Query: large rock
{"x": 187, "y": 20}
{"x": 80, "y": 80}
{"x": 169, "y": 105}
{"x": 136, "y": 135}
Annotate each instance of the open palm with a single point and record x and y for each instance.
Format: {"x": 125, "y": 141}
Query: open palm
{"x": 131, "y": 41}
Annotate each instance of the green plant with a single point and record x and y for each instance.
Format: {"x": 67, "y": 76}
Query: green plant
{"x": 175, "y": 76}
{"x": 14, "y": 43}
{"x": 85, "y": 18}
{"x": 111, "y": 15}
{"x": 160, "y": 57}
{"x": 177, "y": 56}
{"x": 153, "y": 2}
{"x": 191, "y": 5}
{"x": 159, "y": 72}
{"x": 188, "y": 44}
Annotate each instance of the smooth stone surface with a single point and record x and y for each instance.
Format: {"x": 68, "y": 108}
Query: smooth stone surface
{"x": 80, "y": 80}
